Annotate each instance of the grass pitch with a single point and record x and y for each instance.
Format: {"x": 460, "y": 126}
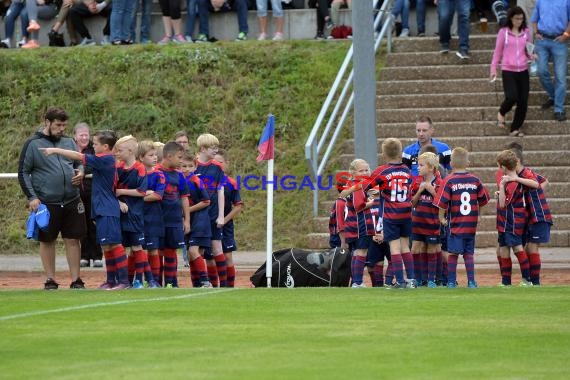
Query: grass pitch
{"x": 486, "y": 333}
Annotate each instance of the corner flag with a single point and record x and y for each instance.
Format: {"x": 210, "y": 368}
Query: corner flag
{"x": 266, "y": 143}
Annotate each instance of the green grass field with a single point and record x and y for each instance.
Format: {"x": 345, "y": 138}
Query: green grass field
{"x": 487, "y": 333}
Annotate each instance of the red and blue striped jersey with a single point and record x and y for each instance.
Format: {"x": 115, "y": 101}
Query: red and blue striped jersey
{"x": 358, "y": 220}
{"x": 536, "y": 203}
{"x": 212, "y": 176}
{"x": 462, "y": 194}
{"x": 394, "y": 182}
{"x": 176, "y": 189}
{"x": 103, "y": 199}
{"x": 135, "y": 178}
{"x": 425, "y": 218}
{"x": 513, "y": 216}
{"x": 336, "y": 216}
{"x": 232, "y": 198}
{"x": 153, "y": 222}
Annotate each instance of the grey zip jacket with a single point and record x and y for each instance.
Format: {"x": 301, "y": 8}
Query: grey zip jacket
{"x": 48, "y": 178}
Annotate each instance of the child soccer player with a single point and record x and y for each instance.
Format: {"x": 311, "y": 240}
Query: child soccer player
{"x": 104, "y": 206}
{"x": 459, "y": 199}
{"x": 153, "y": 222}
{"x": 395, "y": 180}
{"x": 232, "y": 208}
{"x": 359, "y": 226}
{"x": 425, "y": 220}
{"x": 187, "y": 166}
{"x": 539, "y": 217}
{"x": 200, "y": 236}
{"x": 175, "y": 210}
{"x": 212, "y": 175}
{"x": 511, "y": 215}
{"x": 378, "y": 250}
{"x": 336, "y": 220}
{"x": 132, "y": 185}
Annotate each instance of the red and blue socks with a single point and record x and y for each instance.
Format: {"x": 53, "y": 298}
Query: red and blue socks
{"x": 199, "y": 266}
{"x": 534, "y": 264}
{"x": 377, "y": 275}
{"x": 389, "y": 273}
{"x": 417, "y": 257}
{"x": 524, "y": 264}
{"x": 451, "y": 269}
{"x": 121, "y": 264}
{"x": 222, "y": 269}
{"x": 469, "y": 266}
{"x": 170, "y": 267}
{"x": 357, "y": 269}
{"x": 231, "y": 276}
{"x": 154, "y": 261}
{"x": 506, "y": 270}
{"x": 398, "y": 268}
{"x": 212, "y": 272}
{"x": 110, "y": 267}
{"x": 408, "y": 261}
{"x": 431, "y": 266}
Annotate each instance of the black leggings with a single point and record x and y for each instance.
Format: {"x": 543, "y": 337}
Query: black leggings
{"x": 322, "y": 13}
{"x": 516, "y": 87}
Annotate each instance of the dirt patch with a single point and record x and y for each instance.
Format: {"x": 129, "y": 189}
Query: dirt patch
{"x": 93, "y": 278}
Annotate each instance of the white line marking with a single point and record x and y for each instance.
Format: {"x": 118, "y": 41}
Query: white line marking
{"x": 103, "y": 304}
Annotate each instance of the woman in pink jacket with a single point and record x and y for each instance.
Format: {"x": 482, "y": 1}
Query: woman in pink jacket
{"x": 513, "y": 50}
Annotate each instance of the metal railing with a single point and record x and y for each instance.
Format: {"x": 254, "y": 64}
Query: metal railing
{"x": 333, "y": 104}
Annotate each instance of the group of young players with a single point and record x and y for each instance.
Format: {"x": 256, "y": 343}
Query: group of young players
{"x": 155, "y": 199}
{"x": 377, "y": 213}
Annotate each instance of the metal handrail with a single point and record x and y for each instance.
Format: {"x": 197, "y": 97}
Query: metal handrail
{"x": 317, "y": 141}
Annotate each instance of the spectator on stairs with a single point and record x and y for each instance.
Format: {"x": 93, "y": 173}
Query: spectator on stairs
{"x": 15, "y": 9}
{"x": 35, "y": 10}
{"x": 512, "y": 54}
{"x": 277, "y": 10}
{"x": 445, "y": 11}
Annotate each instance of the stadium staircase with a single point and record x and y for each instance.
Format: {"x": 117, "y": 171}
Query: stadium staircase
{"x": 418, "y": 80}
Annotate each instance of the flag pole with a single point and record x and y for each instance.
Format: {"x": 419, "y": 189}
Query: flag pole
{"x": 269, "y": 243}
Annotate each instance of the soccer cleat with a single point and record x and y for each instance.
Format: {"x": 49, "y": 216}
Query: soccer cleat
{"x": 206, "y": 285}
{"x": 50, "y": 284}
{"x": 169, "y": 286}
{"x": 106, "y": 285}
{"x": 451, "y": 285}
{"x": 33, "y": 26}
{"x": 153, "y": 284}
{"x": 411, "y": 283}
{"x": 525, "y": 283}
{"x": 77, "y": 284}
{"x": 242, "y": 36}
{"x": 501, "y": 285}
{"x": 361, "y": 285}
{"x": 398, "y": 286}
{"x": 97, "y": 264}
{"x": 471, "y": 284}
{"x": 137, "y": 284}
{"x": 84, "y": 263}
{"x": 120, "y": 287}
{"x": 431, "y": 284}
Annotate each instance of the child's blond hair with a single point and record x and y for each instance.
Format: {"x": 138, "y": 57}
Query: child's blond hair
{"x": 130, "y": 142}
{"x": 158, "y": 146}
{"x": 207, "y": 140}
{"x": 459, "y": 158}
{"x": 392, "y": 149}
{"x": 145, "y": 146}
{"x": 355, "y": 163}
{"x": 430, "y": 159}
{"x": 508, "y": 159}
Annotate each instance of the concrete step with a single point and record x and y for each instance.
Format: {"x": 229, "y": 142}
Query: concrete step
{"x": 484, "y": 239}
{"x": 485, "y": 99}
{"x": 460, "y": 70}
{"x": 461, "y": 114}
{"x": 401, "y": 125}
{"x": 433, "y": 58}
{"x": 557, "y": 206}
{"x": 431, "y": 44}
{"x": 446, "y": 86}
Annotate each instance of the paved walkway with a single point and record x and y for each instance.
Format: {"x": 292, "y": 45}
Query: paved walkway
{"x": 551, "y": 258}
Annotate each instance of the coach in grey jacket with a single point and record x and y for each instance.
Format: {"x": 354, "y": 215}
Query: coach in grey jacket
{"x": 54, "y": 181}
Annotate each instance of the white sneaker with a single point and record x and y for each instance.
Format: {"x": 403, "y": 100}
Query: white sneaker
{"x": 105, "y": 41}
{"x": 22, "y": 42}
{"x": 86, "y": 42}
{"x": 405, "y": 33}
{"x": 361, "y": 285}
{"x": 262, "y": 37}
{"x": 278, "y": 37}
{"x": 83, "y": 263}
{"x": 97, "y": 264}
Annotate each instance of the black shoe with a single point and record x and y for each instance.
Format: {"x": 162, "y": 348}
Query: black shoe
{"x": 546, "y": 105}
{"x": 560, "y": 116}
{"x": 50, "y": 284}
{"x": 77, "y": 284}
{"x": 56, "y": 39}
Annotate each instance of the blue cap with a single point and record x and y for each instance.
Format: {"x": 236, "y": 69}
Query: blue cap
{"x": 32, "y": 230}
{"x": 42, "y": 217}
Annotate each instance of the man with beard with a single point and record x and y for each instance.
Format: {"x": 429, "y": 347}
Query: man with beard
{"x": 54, "y": 181}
